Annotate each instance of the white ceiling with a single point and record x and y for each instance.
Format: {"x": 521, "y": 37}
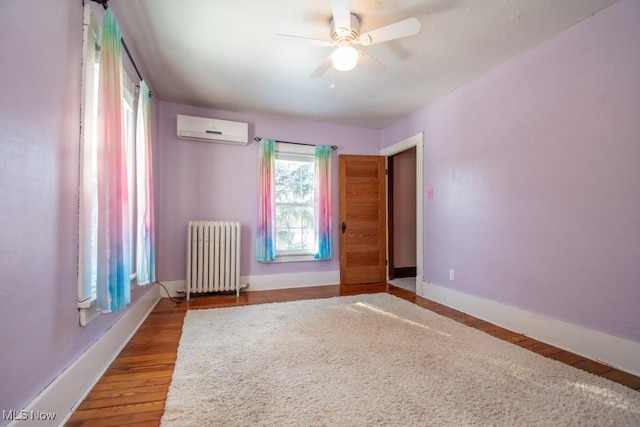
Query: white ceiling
{"x": 223, "y": 54}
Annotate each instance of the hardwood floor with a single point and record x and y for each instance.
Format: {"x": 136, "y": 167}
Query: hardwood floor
{"x": 134, "y": 388}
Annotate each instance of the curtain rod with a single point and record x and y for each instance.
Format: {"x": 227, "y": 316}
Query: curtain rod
{"x": 124, "y": 45}
{"x": 258, "y": 139}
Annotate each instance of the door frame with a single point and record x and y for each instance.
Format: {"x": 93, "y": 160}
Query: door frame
{"x": 417, "y": 141}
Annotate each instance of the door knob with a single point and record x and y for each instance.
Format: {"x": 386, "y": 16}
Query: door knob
{"x": 344, "y": 227}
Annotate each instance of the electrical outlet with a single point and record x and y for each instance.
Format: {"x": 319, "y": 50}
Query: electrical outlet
{"x": 452, "y": 275}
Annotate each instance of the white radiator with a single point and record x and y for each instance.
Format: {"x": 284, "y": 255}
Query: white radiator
{"x": 213, "y": 257}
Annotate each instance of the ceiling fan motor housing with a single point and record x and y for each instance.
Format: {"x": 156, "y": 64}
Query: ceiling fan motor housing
{"x": 345, "y": 34}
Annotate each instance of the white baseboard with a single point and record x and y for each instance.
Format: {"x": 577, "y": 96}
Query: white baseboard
{"x": 613, "y": 351}
{"x": 268, "y": 282}
{"x": 291, "y": 280}
{"x": 67, "y": 391}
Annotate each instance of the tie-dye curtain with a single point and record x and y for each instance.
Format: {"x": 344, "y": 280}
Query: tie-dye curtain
{"x": 145, "y": 239}
{"x": 114, "y": 270}
{"x": 324, "y": 247}
{"x": 265, "y": 245}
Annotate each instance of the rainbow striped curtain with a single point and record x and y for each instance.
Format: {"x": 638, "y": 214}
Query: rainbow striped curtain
{"x": 324, "y": 246}
{"x": 114, "y": 269}
{"x": 145, "y": 239}
{"x": 265, "y": 233}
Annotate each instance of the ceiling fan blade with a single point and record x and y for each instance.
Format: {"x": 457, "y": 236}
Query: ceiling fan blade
{"x": 341, "y": 10}
{"x": 367, "y": 61}
{"x": 322, "y": 68}
{"x": 405, "y": 28}
{"x": 303, "y": 40}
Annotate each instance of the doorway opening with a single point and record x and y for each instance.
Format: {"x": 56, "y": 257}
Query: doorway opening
{"x": 405, "y": 212}
{"x": 401, "y": 206}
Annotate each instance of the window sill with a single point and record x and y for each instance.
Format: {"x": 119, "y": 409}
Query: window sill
{"x": 294, "y": 258}
{"x": 88, "y": 303}
{"x": 88, "y": 311}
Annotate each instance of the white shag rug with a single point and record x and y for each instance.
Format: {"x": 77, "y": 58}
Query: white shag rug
{"x": 373, "y": 360}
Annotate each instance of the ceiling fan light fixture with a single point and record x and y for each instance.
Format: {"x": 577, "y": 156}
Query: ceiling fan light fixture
{"x": 344, "y": 58}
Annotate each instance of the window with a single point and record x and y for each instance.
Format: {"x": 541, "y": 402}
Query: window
{"x": 88, "y": 247}
{"x": 129, "y": 99}
{"x": 89, "y": 201}
{"x": 294, "y": 203}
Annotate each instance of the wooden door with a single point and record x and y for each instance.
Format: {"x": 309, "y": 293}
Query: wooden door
{"x": 362, "y": 219}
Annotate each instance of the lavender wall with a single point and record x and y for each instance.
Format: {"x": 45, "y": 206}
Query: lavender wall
{"x": 41, "y": 47}
{"x": 538, "y": 160}
{"x": 536, "y": 178}
{"x": 202, "y": 180}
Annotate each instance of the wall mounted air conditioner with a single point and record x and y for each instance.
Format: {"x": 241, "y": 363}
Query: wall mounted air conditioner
{"x": 204, "y": 129}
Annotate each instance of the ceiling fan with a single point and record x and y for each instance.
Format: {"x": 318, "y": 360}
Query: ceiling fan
{"x": 345, "y": 33}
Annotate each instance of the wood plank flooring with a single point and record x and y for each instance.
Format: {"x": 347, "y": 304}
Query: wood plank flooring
{"x": 134, "y": 388}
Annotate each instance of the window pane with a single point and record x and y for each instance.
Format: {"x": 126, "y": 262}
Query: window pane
{"x": 129, "y": 121}
{"x": 294, "y": 181}
{"x": 307, "y": 217}
{"x": 286, "y": 217}
{"x": 308, "y": 238}
{"x": 294, "y": 205}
